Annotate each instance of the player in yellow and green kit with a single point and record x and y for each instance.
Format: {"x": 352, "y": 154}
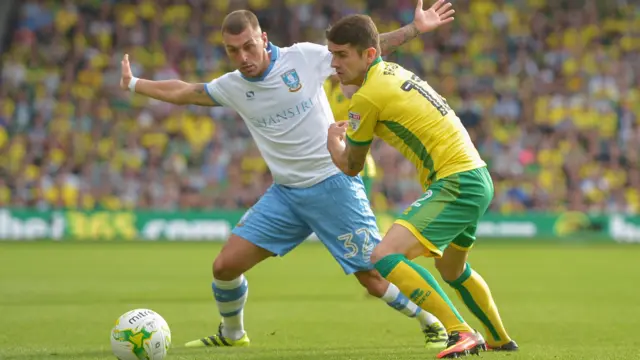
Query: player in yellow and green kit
{"x": 435, "y": 334}
{"x": 340, "y": 108}
{"x": 407, "y": 113}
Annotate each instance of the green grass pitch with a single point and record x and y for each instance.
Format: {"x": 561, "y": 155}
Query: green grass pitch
{"x": 60, "y": 300}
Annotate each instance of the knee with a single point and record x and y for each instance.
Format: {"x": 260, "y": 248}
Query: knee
{"x": 224, "y": 269}
{"x": 376, "y": 255}
{"x": 375, "y": 284}
{"x": 448, "y": 271}
{"x": 398, "y": 240}
{"x": 379, "y": 252}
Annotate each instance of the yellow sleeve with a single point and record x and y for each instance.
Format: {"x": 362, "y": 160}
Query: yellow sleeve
{"x": 363, "y": 117}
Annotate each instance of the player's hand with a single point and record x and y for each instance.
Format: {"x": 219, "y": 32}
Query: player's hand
{"x": 126, "y": 73}
{"x": 437, "y": 15}
{"x": 337, "y": 130}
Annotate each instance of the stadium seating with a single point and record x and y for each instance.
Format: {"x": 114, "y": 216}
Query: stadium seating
{"x": 549, "y": 92}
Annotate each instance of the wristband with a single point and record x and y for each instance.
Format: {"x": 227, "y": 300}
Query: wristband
{"x": 132, "y": 84}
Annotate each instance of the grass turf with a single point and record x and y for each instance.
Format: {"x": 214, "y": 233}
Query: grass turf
{"x": 60, "y": 300}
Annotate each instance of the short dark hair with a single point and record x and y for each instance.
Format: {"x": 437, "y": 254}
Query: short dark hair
{"x": 358, "y": 31}
{"x": 238, "y": 21}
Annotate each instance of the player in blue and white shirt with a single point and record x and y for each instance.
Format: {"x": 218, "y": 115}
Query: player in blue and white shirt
{"x": 279, "y": 94}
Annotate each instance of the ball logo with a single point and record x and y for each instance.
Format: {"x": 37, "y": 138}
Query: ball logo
{"x": 140, "y": 315}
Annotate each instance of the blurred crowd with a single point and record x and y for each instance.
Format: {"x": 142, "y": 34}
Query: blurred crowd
{"x": 549, "y": 92}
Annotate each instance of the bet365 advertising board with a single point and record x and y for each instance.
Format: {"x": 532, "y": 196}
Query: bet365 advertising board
{"x": 62, "y": 225}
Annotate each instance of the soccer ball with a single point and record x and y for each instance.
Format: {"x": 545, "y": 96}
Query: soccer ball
{"x": 140, "y": 334}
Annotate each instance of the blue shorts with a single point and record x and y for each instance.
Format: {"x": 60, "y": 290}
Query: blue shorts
{"x": 336, "y": 210}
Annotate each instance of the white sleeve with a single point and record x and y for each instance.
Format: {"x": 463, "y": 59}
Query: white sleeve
{"x": 319, "y": 56}
{"x": 216, "y": 90}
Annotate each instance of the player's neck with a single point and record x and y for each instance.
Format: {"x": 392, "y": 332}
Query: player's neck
{"x": 363, "y": 77}
{"x": 358, "y": 81}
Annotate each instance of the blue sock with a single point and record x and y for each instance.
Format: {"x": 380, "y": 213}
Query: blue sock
{"x": 231, "y": 297}
{"x": 397, "y": 300}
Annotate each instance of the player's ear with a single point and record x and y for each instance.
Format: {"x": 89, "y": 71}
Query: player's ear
{"x": 265, "y": 39}
{"x": 372, "y": 54}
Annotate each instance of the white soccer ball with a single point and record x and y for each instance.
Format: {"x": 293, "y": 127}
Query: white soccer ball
{"x": 140, "y": 334}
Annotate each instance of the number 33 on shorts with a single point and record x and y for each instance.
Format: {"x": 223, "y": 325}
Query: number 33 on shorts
{"x": 356, "y": 242}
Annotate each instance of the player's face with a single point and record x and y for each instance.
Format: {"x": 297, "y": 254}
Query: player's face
{"x": 247, "y": 51}
{"x": 351, "y": 65}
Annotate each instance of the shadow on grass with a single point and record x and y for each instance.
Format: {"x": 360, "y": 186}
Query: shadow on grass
{"x": 182, "y": 353}
{"x": 66, "y": 355}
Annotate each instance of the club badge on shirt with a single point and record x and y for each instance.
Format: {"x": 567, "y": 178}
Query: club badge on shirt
{"x": 292, "y": 80}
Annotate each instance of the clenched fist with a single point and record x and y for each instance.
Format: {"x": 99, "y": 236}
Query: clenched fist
{"x": 126, "y": 73}
{"x": 338, "y": 130}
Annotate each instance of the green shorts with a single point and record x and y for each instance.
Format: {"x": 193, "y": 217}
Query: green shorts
{"x": 449, "y": 211}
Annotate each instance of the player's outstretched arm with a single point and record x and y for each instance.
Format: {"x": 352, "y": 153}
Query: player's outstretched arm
{"x": 424, "y": 21}
{"x": 348, "y": 158}
{"x": 171, "y": 91}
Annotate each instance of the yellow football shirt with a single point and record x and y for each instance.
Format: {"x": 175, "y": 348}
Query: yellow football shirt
{"x": 338, "y": 102}
{"x": 408, "y": 114}
{"x": 340, "y": 108}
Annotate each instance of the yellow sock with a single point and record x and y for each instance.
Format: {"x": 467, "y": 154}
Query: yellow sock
{"x": 422, "y": 288}
{"x": 475, "y": 293}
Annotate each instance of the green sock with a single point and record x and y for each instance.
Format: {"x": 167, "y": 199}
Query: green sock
{"x": 421, "y": 287}
{"x": 475, "y": 293}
